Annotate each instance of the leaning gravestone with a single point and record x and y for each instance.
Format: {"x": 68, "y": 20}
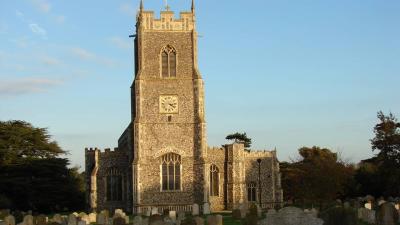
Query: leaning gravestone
{"x": 211, "y": 220}
{"x": 9, "y": 220}
{"x": 290, "y": 216}
{"x": 195, "y": 209}
{"x": 387, "y": 214}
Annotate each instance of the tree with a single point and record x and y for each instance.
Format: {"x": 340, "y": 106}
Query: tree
{"x": 19, "y": 139}
{"x": 240, "y": 138}
{"x": 387, "y": 139}
{"x": 319, "y": 176}
{"x": 32, "y": 176}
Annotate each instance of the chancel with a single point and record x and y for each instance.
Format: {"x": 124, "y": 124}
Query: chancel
{"x": 162, "y": 159}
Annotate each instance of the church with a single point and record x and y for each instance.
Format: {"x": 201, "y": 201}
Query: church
{"x": 163, "y": 159}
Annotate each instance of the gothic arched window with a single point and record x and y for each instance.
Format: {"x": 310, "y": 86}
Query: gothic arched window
{"x": 114, "y": 185}
{"x": 171, "y": 172}
{"x": 251, "y": 192}
{"x": 168, "y": 62}
{"x": 214, "y": 180}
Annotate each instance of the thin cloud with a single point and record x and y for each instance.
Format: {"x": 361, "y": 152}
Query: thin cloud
{"x": 3, "y": 28}
{"x": 121, "y": 43}
{"x": 50, "y": 61}
{"x": 82, "y": 53}
{"x": 60, "y": 19}
{"x": 128, "y": 9}
{"x": 27, "y": 86}
{"x": 42, "y": 5}
{"x": 36, "y": 29}
{"x": 21, "y": 42}
{"x": 20, "y": 15}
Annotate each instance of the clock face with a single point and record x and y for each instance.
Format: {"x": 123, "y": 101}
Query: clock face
{"x": 169, "y": 104}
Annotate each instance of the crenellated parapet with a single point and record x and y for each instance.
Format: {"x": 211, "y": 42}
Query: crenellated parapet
{"x": 167, "y": 21}
{"x": 260, "y": 154}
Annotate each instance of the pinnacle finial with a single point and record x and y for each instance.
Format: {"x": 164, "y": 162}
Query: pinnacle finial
{"x": 141, "y": 5}
{"x": 192, "y": 6}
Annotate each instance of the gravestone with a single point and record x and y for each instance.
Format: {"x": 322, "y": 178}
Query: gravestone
{"x": 314, "y": 212}
{"x": 41, "y": 220}
{"x": 119, "y": 221}
{"x": 28, "y": 220}
{"x": 118, "y": 212}
{"x": 290, "y": 216}
{"x": 243, "y": 209}
{"x": 366, "y": 215}
{"x": 172, "y": 215}
{"x": 206, "y": 208}
{"x": 195, "y": 209}
{"x": 219, "y": 219}
{"x": 92, "y": 217}
{"x": 138, "y": 220}
{"x": 84, "y": 218}
{"x": 154, "y": 211}
{"x": 105, "y": 212}
{"x": 72, "y": 219}
{"x": 57, "y": 218}
{"x": 82, "y": 214}
{"x": 387, "y": 214}
{"x": 211, "y": 220}
{"x": 199, "y": 220}
{"x": 9, "y": 220}
{"x": 181, "y": 215}
{"x": 81, "y": 222}
{"x": 102, "y": 219}
{"x": 368, "y": 205}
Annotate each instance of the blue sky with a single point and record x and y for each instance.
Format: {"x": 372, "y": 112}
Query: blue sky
{"x": 289, "y": 73}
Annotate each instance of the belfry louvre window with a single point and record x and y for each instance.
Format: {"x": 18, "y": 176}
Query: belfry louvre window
{"x": 251, "y": 192}
{"x": 114, "y": 185}
{"x": 171, "y": 172}
{"x": 168, "y": 62}
{"x": 214, "y": 180}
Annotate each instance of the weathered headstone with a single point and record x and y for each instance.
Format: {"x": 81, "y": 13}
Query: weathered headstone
{"x": 119, "y": 221}
{"x": 138, "y": 220}
{"x": 172, "y": 215}
{"x": 102, "y": 219}
{"x": 9, "y": 220}
{"x": 41, "y": 220}
{"x": 28, "y": 220}
{"x": 243, "y": 207}
{"x": 84, "y": 218}
{"x": 211, "y": 220}
{"x": 72, "y": 219}
{"x": 387, "y": 214}
{"x": 366, "y": 215}
{"x": 368, "y": 205}
{"x": 219, "y": 219}
{"x": 290, "y": 216}
{"x": 181, "y": 215}
{"x": 105, "y": 212}
{"x": 199, "y": 220}
{"x": 154, "y": 211}
{"x": 195, "y": 209}
{"x": 206, "y": 208}
{"x": 92, "y": 217}
{"x": 57, "y": 218}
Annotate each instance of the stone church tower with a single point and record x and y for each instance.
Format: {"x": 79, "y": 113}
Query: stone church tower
{"x": 162, "y": 159}
{"x": 167, "y": 112}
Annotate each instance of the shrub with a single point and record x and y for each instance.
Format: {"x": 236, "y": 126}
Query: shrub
{"x": 236, "y": 214}
{"x": 339, "y": 215}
